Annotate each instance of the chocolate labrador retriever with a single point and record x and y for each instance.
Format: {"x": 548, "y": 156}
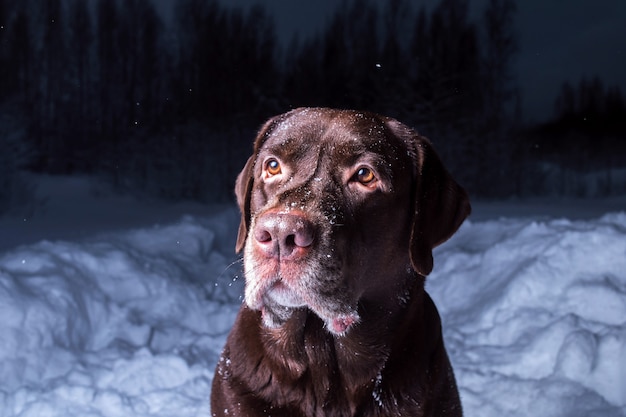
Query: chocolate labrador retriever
{"x": 340, "y": 213}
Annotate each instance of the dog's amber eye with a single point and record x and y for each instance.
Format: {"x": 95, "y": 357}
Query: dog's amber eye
{"x": 272, "y": 167}
{"x": 365, "y": 176}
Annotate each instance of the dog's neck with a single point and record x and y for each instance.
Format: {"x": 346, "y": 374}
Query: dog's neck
{"x": 355, "y": 359}
{"x": 301, "y": 362}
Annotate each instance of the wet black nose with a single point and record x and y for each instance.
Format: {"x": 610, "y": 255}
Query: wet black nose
{"x": 284, "y": 235}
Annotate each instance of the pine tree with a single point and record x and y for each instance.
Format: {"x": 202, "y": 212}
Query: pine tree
{"x": 82, "y": 95}
{"x": 499, "y": 92}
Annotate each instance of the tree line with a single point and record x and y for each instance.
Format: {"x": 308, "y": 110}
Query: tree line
{"x": 584, "y": 144}
{"x": 169, "y": 104}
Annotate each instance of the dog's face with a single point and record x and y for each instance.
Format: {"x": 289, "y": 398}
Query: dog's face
{"x": 332, "y": 203}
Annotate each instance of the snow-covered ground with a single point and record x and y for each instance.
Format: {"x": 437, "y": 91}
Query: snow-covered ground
{"x": 111, "y": 306}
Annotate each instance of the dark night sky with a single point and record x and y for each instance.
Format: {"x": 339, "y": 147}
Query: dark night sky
{"x": 560, "y": 40}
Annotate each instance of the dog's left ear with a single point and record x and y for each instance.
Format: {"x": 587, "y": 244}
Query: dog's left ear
{"x": 440, "y": 203}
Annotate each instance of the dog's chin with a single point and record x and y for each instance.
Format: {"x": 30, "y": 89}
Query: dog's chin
{"x": 280, "y": 294}
{"x": 279, "y": 304}
{"x": 276, "y": 316}
{"x": 274, "y": 292}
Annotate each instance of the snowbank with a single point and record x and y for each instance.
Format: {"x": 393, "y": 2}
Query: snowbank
{"x": 131, "y": 323}
{"x": 128, "y": 324}
{"x": 535, "y": 315}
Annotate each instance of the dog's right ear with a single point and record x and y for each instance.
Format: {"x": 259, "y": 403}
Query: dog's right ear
{"x": 244, "y": 183}
{"x": 243, "y": 191}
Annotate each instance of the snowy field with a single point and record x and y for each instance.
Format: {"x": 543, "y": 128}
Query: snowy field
{"x": 111, "y": 306}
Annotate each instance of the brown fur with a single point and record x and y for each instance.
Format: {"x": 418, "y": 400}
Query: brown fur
{"x": 336, "y": 320}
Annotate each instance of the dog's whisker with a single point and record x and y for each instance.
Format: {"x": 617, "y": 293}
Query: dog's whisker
{"x": 229, "y": 266}
{"x": 221, "y": 277}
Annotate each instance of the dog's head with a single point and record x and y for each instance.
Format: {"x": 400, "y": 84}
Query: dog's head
{"x": 338, "y": 206}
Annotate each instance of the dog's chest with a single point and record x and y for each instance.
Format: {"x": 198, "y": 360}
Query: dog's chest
{"x": 327, "y": 377}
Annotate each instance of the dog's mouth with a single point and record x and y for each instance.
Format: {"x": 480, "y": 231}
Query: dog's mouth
{"x": 277, "y": 300}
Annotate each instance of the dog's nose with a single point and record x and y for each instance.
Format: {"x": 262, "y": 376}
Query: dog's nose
{"x": 284, "y": 235}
